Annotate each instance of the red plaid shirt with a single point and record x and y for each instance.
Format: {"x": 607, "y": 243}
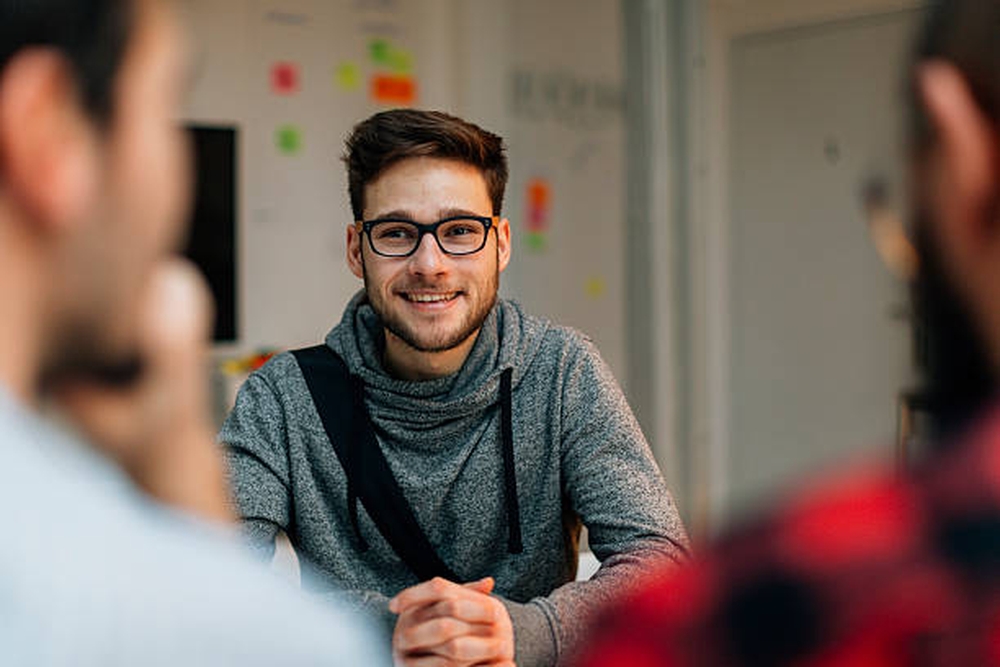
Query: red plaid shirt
{"x": 867, "y": 570}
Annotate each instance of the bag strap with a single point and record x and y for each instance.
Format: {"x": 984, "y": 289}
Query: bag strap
{"x": 339, "y": 399}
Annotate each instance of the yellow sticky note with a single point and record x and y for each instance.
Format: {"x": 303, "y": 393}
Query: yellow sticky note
{"x": 348, "y": 76}
{"x": 596, "y": 287}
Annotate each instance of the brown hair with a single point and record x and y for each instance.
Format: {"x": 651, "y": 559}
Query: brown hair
{"x": 92, "y": 35}
{"x": 387, "y": 137}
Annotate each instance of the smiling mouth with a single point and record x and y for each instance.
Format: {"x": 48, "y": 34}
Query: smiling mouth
{"x": 424, "y": 297}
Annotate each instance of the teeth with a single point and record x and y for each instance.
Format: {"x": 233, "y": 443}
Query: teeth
{"x": 429, "y": 298}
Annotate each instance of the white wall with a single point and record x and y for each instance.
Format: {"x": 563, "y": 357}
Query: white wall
{"x": 293, "y": 210}
{"x": 293, "y": 280}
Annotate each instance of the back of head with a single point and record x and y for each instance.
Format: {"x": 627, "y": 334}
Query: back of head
{"x": 391, "y": 136}
{"x": 950, "y": 347}
{"x": 91, "y": 34}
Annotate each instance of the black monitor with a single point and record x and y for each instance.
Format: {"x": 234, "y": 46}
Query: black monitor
{"x": 212, "y": 241}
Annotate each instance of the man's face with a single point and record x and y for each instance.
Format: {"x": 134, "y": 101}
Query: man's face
{"x": 430, "y": 300}
{"x": 140, "y": 200}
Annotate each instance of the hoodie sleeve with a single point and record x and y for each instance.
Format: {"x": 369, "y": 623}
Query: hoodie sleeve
{"x": 613, "y": 483}
{"x": 255, "y": 438}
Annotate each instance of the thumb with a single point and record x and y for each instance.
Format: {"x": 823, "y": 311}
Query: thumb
{"x": 177, "y": 314}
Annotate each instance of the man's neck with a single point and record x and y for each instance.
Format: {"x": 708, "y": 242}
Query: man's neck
{"x": 22, "y": 314}
{"x": 406, "y": 363}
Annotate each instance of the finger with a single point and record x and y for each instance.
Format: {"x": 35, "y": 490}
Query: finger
{"x": 421, "y": 637}
{"x": 174, "y": 332}
{"x": 426, "y": 593}
{"x": 471, "y": 649}
{"x": 177, "y": 315}
{"x": 428, "y": 660}
{"x": 477, "y": 610}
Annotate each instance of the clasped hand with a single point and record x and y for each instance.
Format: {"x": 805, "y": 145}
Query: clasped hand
{"x": 444, "y": 624}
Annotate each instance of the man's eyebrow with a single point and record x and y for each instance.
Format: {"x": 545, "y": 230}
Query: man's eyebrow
{"x": 400, "y": 214}
{"x": 460, "y": 212}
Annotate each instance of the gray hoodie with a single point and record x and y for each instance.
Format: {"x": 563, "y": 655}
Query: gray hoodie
{"x": 578, "y": 449}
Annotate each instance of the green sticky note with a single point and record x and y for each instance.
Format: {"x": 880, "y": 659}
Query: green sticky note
{"x": 401, "y": 61}
{"x": 380, "y": 51}
{"x": 535, "y": 241}
{"x": 348, "y": 76}
{"x": 289, "y": 139}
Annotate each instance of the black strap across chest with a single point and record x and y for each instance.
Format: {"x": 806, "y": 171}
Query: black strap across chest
{"x": 339, "y": 398}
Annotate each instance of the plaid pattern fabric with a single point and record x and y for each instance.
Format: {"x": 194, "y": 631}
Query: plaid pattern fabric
{"x": 866, "y": 570}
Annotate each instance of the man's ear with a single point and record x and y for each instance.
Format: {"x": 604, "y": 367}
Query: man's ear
{"x": 48, "y": 145}
{"x": 503, "y": 244}
{"x": 354, "y": 259}
{"x": 962, "y": 173}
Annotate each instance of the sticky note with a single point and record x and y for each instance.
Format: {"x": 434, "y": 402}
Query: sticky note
{"x": 288, "y": 139}
{"x": 535, "y": 241}
{"x": 595, "y": 287}
{"x": 399, "y": 90}
{"x": 400, "y": 61}
{"x": 539, "y": 199}
{"x": 348, "y": 76}
{"x": 285, "y": 78}
{"x": 380, "y": 51}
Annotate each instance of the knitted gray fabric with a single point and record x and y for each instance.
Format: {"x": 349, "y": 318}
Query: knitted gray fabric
{"x": 577, "y": 446}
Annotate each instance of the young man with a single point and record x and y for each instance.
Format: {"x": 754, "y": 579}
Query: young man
{"x": 99, "y": 325}
{"x": 874, "y": 568}
{"x": 501, "y": 430}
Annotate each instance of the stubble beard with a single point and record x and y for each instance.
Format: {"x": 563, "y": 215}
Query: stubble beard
{"x": 442, "y": 341}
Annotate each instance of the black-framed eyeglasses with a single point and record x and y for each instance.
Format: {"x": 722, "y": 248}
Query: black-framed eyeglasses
{"x": 458, "y": 235}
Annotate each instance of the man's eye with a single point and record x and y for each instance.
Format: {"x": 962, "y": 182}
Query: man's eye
{"x": 397, "y": 232}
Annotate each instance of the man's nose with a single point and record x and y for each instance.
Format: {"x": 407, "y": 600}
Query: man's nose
{"x": 428, "y": 257}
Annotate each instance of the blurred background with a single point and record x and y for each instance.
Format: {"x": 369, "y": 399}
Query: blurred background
{"x": 710, "y": 189}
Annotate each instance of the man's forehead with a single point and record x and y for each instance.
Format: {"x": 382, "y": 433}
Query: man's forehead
{"x": 428, "y": 187}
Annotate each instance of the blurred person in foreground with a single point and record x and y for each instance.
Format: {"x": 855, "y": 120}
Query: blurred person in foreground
{"x": 117, "y": 549}
{"x": 873, "y": 568}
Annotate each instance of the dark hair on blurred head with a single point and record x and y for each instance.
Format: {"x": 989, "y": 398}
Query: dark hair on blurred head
{"x": 91, "y": 34}
{"x": 390, "y": 136}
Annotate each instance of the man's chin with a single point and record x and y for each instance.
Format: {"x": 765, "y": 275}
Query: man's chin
{"x": 434, "y": 344}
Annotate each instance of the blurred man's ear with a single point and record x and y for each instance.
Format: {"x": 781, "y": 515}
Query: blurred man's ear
{"x": 48, "y": 144}
{"x": 961, "y": 172}
{"x": 959, "y": 192}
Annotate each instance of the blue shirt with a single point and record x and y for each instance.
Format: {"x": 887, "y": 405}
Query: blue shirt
{"x": 94, "y": 573}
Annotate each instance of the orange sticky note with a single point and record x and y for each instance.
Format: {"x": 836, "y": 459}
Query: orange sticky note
{"x": 388, "y": 89}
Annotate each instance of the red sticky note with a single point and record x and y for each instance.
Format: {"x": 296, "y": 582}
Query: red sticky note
{"x": 285, "y": 78}
{"x": 388, "y": 89}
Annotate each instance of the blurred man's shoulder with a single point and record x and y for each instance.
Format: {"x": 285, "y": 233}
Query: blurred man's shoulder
{"x": 867, "y": 562}
{"x": 95, "y": 566}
